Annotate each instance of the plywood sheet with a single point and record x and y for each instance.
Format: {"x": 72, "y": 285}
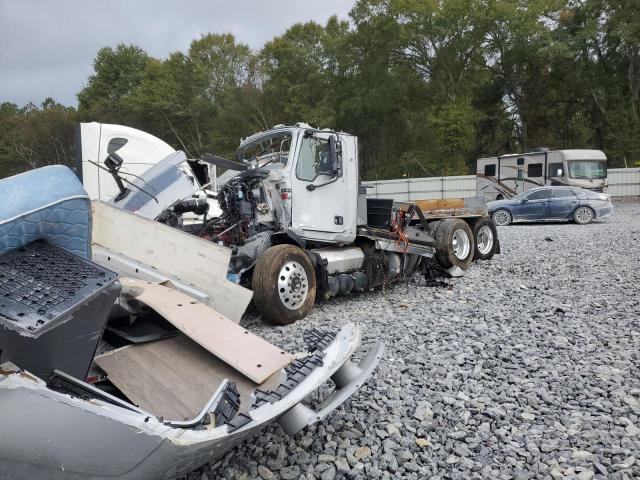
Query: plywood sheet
{"x": 172, "y": 378}
{"x": 249, "y": 354}
{"x": 192, "y": 260}
{"x": 440, "y": 204}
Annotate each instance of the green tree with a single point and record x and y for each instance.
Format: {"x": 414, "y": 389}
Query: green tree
{"x": 117, "y": 74}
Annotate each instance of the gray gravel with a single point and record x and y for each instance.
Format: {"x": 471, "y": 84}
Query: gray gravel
{"x": 527, "y": 367}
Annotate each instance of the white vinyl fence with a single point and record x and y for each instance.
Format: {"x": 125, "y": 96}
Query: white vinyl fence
{"x": 407, "y": 189}
{"x": 623, "y": 182}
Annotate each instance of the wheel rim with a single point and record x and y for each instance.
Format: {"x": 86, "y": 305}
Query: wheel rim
{"x": 501, "y": 217}
{"x": 461, "y": 244}
{"x": 293, "y": 285}
{"x": 485, "y": 240}
{"x": 584, "y": 215}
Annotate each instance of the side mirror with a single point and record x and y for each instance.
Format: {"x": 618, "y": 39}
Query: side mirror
{"x": 335, "y": 153}
{"x": 559, "y": 172}
{"x": 113, "y": 162}
{"x": 524, "y": 200}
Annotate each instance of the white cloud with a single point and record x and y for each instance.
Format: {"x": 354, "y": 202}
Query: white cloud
{"x": 48, "y": 47}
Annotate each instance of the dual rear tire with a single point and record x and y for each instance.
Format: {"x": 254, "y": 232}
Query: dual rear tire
{"x": 459, "y": 243}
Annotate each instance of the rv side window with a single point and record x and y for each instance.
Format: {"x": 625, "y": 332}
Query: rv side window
{"x": 555, "y": 170}
{"x": 520, "y": 161}
{"x": 490, "y": 170}
{"x": 534, "y": 170}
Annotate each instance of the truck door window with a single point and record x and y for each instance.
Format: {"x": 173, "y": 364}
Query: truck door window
{"x": 314, "y": 159}
{"x": 555, "y": 170}
{"x": 116, "y": 144}
{"x": 534, "y": 170}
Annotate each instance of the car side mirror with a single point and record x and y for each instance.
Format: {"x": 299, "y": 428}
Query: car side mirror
{"x": 559, "y": 172}
{"x": 524, "y": 200}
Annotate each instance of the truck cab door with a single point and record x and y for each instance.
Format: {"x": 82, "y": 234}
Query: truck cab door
{"x": 321, "y": 190}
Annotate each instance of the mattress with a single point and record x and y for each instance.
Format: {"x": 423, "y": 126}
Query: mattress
{"x": 48, "y": 203}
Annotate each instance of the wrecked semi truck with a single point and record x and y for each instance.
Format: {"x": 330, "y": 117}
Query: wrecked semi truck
{"x": 106, "y": 376}
{"x": 300, "y": 224}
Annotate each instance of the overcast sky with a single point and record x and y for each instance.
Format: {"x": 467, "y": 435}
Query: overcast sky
{"x": 47, "y": 47}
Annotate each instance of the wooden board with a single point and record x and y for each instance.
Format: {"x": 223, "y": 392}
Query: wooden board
{"x": 440, "y": 204}
{"x": 172, "y": 378}
{"x": 249, "y": 354}
{"x": 192, "y": 260}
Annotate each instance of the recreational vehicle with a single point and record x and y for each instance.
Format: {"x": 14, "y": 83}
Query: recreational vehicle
{"x": 507, "y": 175}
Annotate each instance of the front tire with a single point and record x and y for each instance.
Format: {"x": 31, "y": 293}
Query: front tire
{"x": 284, "y": 284}
{"x": 486, "y": 239}
{"x": 583, "y": 215}
{"x": 502, "y": 217}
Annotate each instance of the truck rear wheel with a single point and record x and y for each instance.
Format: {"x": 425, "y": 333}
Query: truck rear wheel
{"x": 284, "y": 284}
{"x": 454, "y": 243}
{"x": 485, "y": 236}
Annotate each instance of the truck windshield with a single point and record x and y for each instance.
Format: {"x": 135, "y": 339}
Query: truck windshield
{"x": 587, "y": 169}
{"x": 270, "y": 149}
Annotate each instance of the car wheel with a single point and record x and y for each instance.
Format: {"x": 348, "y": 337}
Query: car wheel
{"x": 486, "y": 239}
{"x": 502, "y": 217}
{"x": 284, "y": 284}
{"x": 454, "y": 243}
{"x": 583, "y": 215}
{"x": 500, "y": 197}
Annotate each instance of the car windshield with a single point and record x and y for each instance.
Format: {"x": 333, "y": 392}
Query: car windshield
{"x": 587, "y": 169}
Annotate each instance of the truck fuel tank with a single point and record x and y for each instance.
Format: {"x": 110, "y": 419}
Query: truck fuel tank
{"x": 341, "y": 259}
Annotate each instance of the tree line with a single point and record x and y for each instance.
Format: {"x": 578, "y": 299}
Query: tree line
{"x": 428, "y": 86}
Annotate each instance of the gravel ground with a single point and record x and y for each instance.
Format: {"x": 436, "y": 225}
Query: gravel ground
{"x": 527, "y": 367}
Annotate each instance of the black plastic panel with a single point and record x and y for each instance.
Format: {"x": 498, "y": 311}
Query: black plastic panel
{"x": 40, "y": 282}
{"x": 53, "y": 309}
{"x": 379, "y": 212}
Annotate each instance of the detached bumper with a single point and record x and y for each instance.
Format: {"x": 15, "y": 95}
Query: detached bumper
{"x": 47, "y": 434}
{"x": 347, "y": 379}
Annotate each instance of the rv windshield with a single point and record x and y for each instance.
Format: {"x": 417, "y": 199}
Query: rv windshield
{"x": 587, "y": 169}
